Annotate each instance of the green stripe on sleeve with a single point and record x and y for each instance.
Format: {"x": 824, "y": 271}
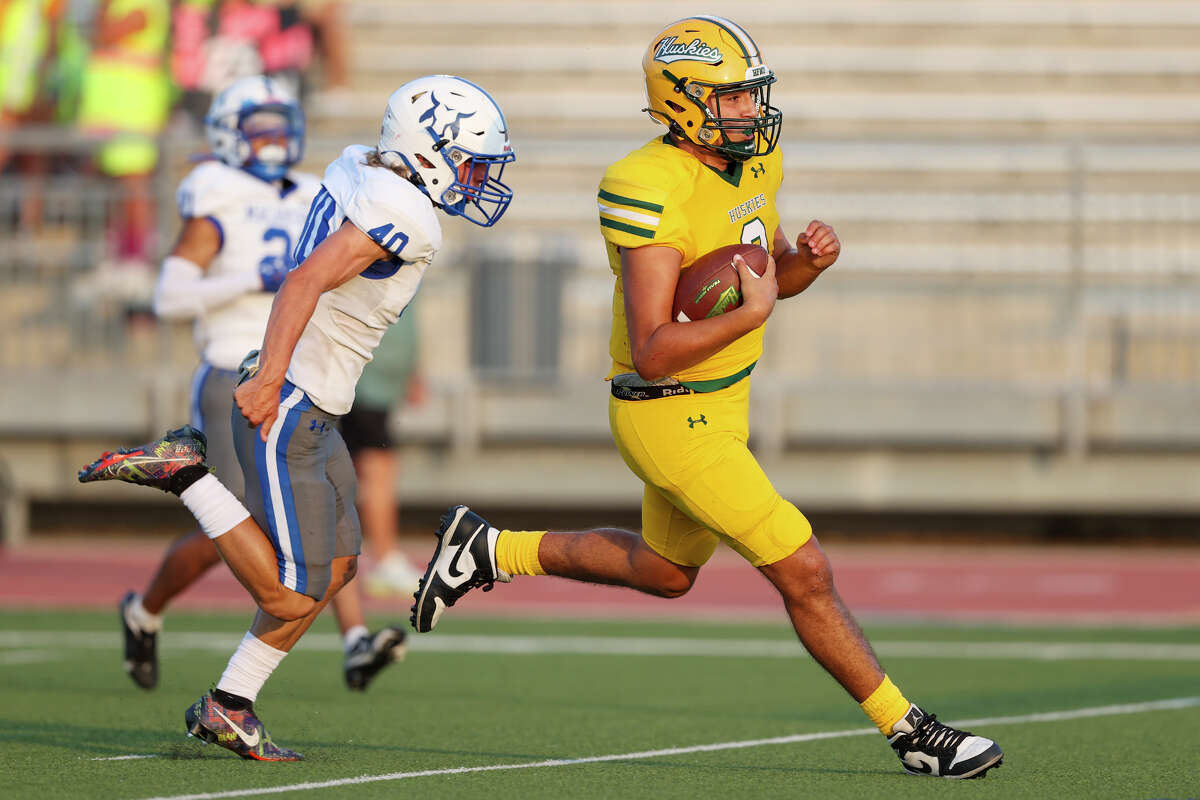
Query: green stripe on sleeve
{"x": 627, "y": 228}
{"x": 629, "y": 201}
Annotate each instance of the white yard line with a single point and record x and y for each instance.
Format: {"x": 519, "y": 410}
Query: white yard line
{"x": 23, "y": 657}
{"x": 32, "y": 646}
{"x": 1055, "y": 716}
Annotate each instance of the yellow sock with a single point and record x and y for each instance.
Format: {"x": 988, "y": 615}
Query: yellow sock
{"x": 886, "y": 706}
{"x": 517, "y": 552}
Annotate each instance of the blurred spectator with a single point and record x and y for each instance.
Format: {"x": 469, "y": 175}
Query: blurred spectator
{"x": 389, "y": 378}
{"x": 203, "y": 62}
{"x": 125, "y": 98}
{"x": 329, "y": 20}
{"x": 218, "y": 41}
{"x": 27, "y": 50}
{"x": 72, "y": 43}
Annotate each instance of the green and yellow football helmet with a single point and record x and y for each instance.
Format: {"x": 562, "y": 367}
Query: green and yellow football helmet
{"x": 697, "y": 59}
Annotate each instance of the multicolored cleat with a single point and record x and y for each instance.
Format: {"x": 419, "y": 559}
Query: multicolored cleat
{"x": 153, "y": 464}
{"x": 233, "y": 729}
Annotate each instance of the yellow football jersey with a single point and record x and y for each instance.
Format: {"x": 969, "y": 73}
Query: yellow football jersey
{"x": 662, "y": 196}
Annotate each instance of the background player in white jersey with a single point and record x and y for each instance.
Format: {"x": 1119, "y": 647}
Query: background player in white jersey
{"x": 242, "y": 214}
{"x": 370, "y": 235}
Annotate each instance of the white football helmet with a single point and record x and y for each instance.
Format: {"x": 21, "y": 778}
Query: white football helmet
{"x": 433, "y": 126}
{"x": 251, "y": 107}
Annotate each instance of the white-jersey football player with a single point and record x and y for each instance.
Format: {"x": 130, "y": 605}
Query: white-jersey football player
{"x": 242, "y": 212}
{"x": 370, "y": 234}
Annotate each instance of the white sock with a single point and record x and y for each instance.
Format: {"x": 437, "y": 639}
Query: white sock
{"x": 140, "y": 619}
{"x": 351, "y": 637}
{"x": 249, "y": 668}
{"x": 394, "y": 559}
{"x": 213, "y": 506}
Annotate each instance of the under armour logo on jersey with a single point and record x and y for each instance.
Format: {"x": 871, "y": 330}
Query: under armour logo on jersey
{"x": 317, "y": 425}
{"x": 442, "y": 120}
{"x": 694, "y": 422}
{"x": 758, "y": 170}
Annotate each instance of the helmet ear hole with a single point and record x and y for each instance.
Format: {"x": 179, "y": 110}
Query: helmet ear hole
{"x": 678, "y": 109}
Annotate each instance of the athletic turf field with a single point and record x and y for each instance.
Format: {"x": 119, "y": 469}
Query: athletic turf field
{"x": 504, "y": 709}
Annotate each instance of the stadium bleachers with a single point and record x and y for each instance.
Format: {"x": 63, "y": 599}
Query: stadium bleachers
{"x": 1013, "y": 182}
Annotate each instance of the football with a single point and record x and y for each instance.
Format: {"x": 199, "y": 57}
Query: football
{"x": 710, "y": 285}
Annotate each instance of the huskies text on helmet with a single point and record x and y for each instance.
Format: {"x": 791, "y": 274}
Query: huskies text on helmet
{"x": 435, "y": 125}
{"x": 254, "y": 107}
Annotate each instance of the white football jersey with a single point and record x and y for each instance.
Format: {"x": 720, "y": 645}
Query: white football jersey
{"x": 349, "y": 321}
{"x": 257, "y": 221}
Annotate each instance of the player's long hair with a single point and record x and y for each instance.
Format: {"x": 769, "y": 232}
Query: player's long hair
{"x": 373, "y": 159}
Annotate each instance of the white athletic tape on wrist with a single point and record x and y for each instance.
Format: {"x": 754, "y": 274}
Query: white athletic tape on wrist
{"x": 184, "y": 289}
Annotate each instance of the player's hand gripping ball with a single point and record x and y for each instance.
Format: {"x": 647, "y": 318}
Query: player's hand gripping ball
{"x": 710, "y": 286}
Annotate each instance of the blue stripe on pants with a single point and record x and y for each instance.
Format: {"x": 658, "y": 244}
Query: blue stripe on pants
{"x": 196, "y": 406}
{"x": 270, "y": 459}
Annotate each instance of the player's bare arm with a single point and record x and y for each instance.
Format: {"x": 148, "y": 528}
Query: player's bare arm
{"x": 800, "y": 264}
{"x": 343, "y": 255}
{"x": 659, "y": 345}
{"x": 199, "y": 241}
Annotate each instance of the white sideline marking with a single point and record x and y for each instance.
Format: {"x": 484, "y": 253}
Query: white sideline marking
{"x": 126, "y": 758}
{"x": 32, "y": 646}
{"x": 1053, "y": 716}
{"x": 28, "y": 657}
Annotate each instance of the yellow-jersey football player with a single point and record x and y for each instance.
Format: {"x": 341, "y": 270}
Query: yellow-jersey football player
{"x": 680, "y": 390}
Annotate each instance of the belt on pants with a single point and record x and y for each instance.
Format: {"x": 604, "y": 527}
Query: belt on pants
{"x": 631, "y": 386}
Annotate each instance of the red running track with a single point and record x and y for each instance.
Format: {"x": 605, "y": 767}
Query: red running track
{"x": 1110, "y": 586}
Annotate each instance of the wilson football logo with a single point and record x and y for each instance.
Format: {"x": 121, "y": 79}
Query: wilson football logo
{"x": 705, "y": 289}
{"x": 727, "y": 299}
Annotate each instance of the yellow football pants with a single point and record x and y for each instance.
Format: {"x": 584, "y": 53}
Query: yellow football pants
{"x": 703, "y": 484}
